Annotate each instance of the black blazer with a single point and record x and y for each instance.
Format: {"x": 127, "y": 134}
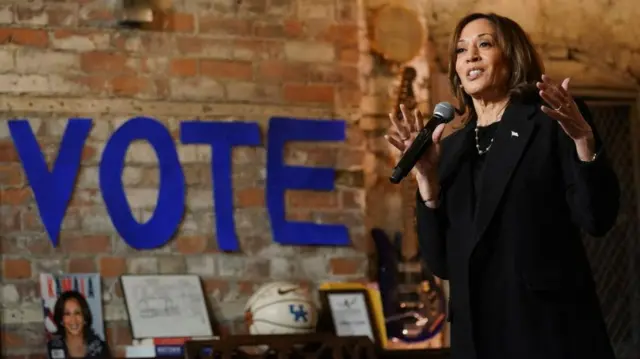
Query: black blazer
{"x": 520, "y": 283}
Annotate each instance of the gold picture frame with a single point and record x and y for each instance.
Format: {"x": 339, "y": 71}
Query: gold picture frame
{"x": 352, "y": 313}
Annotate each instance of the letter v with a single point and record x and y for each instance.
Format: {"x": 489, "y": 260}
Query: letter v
{"x": 52, "y": 189}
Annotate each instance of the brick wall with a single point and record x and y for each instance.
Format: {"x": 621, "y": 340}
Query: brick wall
{"x": 214, "y": 60}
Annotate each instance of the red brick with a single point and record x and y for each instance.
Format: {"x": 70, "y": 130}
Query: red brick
{"x": 290, "y": 29}
{"x": 184, "y": 67}
{"x": 189, "y": 44}
{"x": 131, "y": 85}
{"x": 312, "y": 199}
{"x": 112, "y": 266}
{"x": 82, "y": 265}
{"x": 27, "y": 37}
{"x": 345, "y": 34}
{"x": 346, "y": 266}
{"x": 11, "y": 175}
{"x": 66, "y": 33}
{"x": 99, "y": 61}
{"x": 309, "y": 93}
{"x": 282, "y": 71}
{"x": 348, "y": 55}
{"x": 239, "y": 70}
{"x": 250, "y": 197}
{"x": 349, "y": 75}
{"x": 88, "y": 152}
{"x": 16, "y": 268}
{"x": 299, "y": 215}
{"x": 179, "y": 22}
{"x": 192, "y": 244}
{"x": 11, "y": 340}
{"x": 212, "y": 286}
{"x": 210, "y": 24}
{"x": 5, "y": 35}
{"x": 16, "y": 196}
{"x": 8, "y": 152}
{"x": 94, "y": 244}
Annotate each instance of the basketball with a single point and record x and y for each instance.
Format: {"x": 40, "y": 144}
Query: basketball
{"x": 280, "y": 308}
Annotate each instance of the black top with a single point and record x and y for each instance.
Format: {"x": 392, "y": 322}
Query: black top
{"x": 484, "y": 141}
{"x": 96, "y": 348}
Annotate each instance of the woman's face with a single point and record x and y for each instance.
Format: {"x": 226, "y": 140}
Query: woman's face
{"x": 479, "y": 62}
{"x": 72, "y": 320}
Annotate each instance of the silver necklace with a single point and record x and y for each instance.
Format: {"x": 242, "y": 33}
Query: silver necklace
{"x": 483, "y": 151}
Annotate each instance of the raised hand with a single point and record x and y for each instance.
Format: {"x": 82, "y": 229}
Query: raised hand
{"x": 565, "y": 110}
{"x": 401, "y": 136}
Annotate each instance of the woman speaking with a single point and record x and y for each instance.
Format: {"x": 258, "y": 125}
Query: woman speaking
{"x": 502, "y": 201}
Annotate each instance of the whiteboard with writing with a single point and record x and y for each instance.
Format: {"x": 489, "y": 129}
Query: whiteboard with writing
{"x": 162, "y": 306}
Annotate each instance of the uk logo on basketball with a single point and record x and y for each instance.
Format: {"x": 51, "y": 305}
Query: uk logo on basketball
{"x": 300, "y": 313}
{"x": 281, "y": 308}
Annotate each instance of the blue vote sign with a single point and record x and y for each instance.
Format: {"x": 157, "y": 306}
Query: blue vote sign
{"x": 53, "y": 188}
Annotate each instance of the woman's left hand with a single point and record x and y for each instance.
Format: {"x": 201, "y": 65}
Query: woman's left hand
{"x": 565, "y": 110}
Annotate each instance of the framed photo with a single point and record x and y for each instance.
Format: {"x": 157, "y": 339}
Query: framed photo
{"x": 351, "y": 313}
{"x": 166, "y": 306}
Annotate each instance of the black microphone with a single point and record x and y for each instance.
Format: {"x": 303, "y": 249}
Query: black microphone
{"x": 443, "y": 113}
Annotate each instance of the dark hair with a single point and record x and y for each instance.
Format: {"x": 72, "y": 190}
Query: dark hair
{"x": 525, "y": 65}
{"x": 58, "y": 312}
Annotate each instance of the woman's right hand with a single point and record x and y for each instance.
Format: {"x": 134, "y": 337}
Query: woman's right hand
{"x": 402, "y": 135}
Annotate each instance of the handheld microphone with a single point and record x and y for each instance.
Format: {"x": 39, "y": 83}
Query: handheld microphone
{"x": 443, "y": 113}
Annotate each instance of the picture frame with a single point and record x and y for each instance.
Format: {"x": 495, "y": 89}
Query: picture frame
{"x": 166, "y": 306}
{"x": 351, "y": 313}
